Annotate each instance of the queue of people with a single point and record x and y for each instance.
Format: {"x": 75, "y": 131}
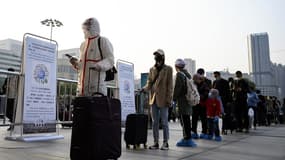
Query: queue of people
{"x": 236, "y": 100}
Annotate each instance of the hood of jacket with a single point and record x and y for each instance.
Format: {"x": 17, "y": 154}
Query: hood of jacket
{"x": 91, "y": 28}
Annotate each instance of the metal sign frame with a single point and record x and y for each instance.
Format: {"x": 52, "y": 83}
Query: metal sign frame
{"x": 30, "y": 137}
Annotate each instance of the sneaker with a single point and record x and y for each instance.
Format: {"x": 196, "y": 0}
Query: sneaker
{"x": 155, "y": 146}
{"x": 203, "y": 136}
{"x": 195, "y": 136}
{"x": 218, "y": 138}
{"x": 165, "y": 146}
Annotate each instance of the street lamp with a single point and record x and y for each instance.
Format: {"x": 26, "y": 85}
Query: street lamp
{"x": 52, "y": 23}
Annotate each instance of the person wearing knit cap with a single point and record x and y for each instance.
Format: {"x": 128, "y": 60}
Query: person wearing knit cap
{"x": 184, "y": 108}
{"x": 160, "y": 86}
{"x": 91, "y": 66}
{"x": 213, "y": 107}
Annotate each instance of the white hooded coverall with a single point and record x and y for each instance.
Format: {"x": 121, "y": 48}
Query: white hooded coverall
{"x": 90, "y": 80}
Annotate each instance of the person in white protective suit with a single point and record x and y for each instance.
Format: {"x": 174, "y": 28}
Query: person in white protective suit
{"x": 91, "y": 66}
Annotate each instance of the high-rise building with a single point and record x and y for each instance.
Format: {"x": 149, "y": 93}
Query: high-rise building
{"x": 190, "y": 66}
{"x": 261, "y": 68}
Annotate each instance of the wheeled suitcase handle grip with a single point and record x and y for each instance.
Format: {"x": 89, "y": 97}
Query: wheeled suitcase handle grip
{"x": 98, "y": 93}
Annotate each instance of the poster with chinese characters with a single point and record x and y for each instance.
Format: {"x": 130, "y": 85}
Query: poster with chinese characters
{"x": 39, "y": 105}
{"x": 126, "y": 88}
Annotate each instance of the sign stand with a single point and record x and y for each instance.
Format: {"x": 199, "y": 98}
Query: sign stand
{"x": 35, "y": 117}
{"x": 126, "y": 87}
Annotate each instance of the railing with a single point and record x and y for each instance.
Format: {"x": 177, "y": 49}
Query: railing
{"x": 66, "y": 92}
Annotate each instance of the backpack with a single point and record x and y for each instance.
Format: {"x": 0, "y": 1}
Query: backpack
{"x": 192, "y": 94}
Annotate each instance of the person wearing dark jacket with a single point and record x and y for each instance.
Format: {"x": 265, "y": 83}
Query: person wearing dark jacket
{"x": 223, "y": 87}
{"x": 184, "y": 108}
{"x": 10, "y": 90}
{"x": 199, "y": 111}
{"x": 241, "y": 89}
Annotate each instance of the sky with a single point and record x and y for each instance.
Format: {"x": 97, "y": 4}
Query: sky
{"x": 212, "y": 32}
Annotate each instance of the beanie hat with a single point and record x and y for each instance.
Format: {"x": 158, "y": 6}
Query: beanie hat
{"x": 180, "y": 63}
{"x": 214, "y": 93}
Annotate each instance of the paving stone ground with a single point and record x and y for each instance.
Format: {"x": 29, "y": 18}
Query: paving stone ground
{"x": 265, "y": 143}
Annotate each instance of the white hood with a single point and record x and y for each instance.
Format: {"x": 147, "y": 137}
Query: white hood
{"x": 92, "y": 27}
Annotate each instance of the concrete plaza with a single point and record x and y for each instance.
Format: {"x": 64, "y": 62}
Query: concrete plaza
{"x": 265, "y": 143}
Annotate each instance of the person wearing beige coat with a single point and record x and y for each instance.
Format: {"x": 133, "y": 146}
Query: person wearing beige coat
{"x": 160, "y": 86}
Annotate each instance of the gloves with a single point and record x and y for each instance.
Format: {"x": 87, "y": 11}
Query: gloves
{"x": 96, "y": 67}
{"x": 141, "y": 90}
{"x": 74, "y": 62}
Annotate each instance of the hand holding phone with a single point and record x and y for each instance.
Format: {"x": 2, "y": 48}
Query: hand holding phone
{"x": 68, "y": 56}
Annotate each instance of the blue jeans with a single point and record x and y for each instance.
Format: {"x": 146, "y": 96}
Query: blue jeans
{"x": 157, "y": 113}
{"x": 213, "y": 127}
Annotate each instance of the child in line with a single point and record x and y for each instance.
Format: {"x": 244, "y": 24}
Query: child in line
{"x": 213, "y": 106}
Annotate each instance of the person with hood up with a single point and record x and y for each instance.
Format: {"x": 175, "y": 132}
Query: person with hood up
{"x": 92, "y": 64}
{"x": 213, "y": 106}
{"x": 184, "y": 108}
{"x": 160, "y": 85}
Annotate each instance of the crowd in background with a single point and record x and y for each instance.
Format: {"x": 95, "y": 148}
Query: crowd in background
{"x": 243, "y": 105}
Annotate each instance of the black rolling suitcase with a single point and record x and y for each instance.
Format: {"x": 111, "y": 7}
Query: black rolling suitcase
{"x": 96, "y": 130}
{"x": 136, "y": 130}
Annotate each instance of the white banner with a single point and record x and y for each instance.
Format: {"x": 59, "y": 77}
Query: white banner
{"x": 126, "y": 88}
{"x": 39, "y": 109}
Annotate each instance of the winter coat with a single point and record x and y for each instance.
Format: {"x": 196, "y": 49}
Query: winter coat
{"x": 180, "y": 90}
{"x": 161, "y": 88}
{"x": 223, "y": 87}
{"x": 252, "y": 99}
{"x": 203, "y": 89}
{"x": 213, "y": 106}
{"x": 10, "y": 85}
{"x": 241, "y": 88}
{"x": 89, "y": 79}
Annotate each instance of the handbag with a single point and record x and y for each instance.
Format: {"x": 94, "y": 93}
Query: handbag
{"x": 110, "y": 74}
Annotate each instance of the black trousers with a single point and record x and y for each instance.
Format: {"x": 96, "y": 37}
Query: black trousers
{"x": 213, "y": 127}
{"x": 10, "y": 109}
{"x": 199, "y": 112}
{"x": 242, "y": 114}
{"x": 186, "y": 126}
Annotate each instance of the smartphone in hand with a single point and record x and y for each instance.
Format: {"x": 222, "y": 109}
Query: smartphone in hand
{"x": 68, "y": 56}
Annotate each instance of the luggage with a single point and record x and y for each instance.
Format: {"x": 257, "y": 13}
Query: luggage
{"x": 96, "y": 129}
{"x": 136, "y": 130}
